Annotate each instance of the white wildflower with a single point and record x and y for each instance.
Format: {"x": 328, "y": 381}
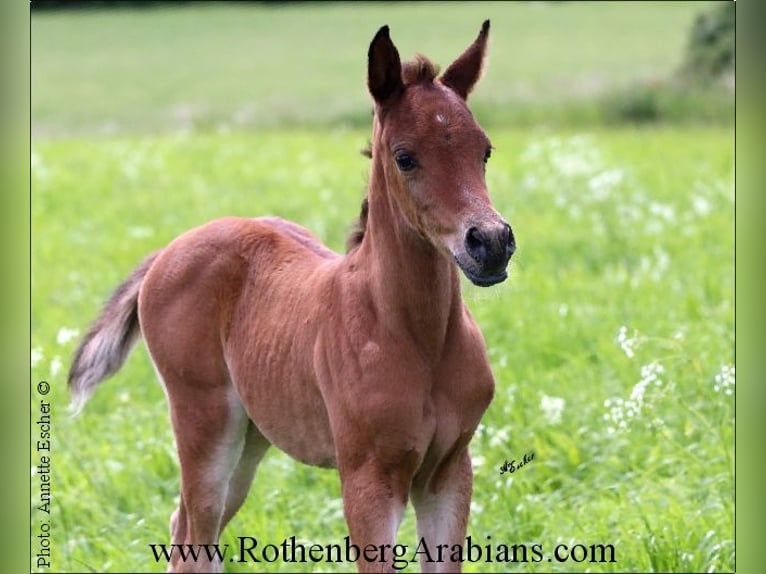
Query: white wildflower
{"x": 35, "y": 356}
{"x": 565, "y": 159}
{"x": 615, "y": 414}
{"x": 650, "y": 374}
{"x": 56, "y": 365}
{"x": 552, "y": 408}
{"x": 701, "y": 205}
{"x": 602, "y": 184}
{"x": 499, "y": 438}
{"x": 620, "y": 412}
{"x": 626, "y": 343}
{"x": 37, "y": 166}
{"x": 476, "y": 508}
{"x": 725, "y": 380}
{"x": 65, "y": 335}
{"x": 662, "y": 211}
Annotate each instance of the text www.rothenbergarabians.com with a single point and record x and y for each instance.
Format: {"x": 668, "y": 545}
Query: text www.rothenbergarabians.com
{"x": 290, "y": 550}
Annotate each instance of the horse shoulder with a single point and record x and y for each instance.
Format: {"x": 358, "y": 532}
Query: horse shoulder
{"x": 464, "y": 385}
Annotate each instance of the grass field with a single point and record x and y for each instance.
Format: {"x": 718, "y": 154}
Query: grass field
{"x": 612, "y": 343}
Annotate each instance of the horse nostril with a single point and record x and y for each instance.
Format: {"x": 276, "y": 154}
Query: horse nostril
{"x": 475, "y": 244}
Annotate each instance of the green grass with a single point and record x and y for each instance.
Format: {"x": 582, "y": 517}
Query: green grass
{"x": 220, "y": 67}
{"x": 648, "y": 246}
{"x": 147, "y": 123}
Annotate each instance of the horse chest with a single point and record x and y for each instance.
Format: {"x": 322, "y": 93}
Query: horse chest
{"x": 458, "y": 410}
{"x": 462, "y": 389}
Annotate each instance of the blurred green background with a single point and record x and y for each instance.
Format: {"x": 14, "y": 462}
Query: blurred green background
{"x": 252, "y": 65}
{"x": 612, "y": 342}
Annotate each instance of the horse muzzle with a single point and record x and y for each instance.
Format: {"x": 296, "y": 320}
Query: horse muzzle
{"x": 485, "y": 253}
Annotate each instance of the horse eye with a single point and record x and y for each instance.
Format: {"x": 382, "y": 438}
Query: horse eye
{"x": 487, "y": 154}
{"x": 405, "y": 162}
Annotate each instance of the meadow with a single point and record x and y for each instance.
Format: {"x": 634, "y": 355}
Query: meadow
{"x": 612, "y": 342}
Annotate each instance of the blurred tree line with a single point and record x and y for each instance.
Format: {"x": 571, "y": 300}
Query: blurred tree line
{"x": 704, "y": 81}
{"x": 710, "y": 51}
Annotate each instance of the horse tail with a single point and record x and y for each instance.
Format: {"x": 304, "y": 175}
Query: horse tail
{"x": 109, "y": 340}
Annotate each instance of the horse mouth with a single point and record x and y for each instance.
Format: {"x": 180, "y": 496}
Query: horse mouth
{"x": 486, "y": 280}
{"x": 482, "y": 279}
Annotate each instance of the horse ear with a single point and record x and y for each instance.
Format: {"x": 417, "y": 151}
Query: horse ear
{"x": 464, "y": 72}
{"x": 384, "y": 68}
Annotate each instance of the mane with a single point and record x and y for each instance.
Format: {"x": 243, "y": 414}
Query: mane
{"x": 419, "y": 70}
{"x": 354, "y": 238}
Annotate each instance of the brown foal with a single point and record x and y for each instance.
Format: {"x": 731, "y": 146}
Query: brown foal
{"x": 369, "y": 362}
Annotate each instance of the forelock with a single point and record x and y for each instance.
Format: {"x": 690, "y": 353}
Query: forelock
{"x": 418, "y": 71}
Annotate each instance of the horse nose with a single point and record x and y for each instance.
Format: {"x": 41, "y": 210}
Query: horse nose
{"x": 510, "y": 241}
{"x": 491, "y": 247}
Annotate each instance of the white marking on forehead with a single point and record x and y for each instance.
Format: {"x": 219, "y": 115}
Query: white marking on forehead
{"x": 441, "y": 118}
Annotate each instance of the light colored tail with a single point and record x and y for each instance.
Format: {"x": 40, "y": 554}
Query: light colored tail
{"x": 109, "y": 340}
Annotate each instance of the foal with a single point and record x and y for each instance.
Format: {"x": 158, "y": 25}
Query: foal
{"x": 368, "y": 362}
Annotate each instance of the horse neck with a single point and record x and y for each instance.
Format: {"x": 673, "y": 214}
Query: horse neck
{"x": 414, "y": 287}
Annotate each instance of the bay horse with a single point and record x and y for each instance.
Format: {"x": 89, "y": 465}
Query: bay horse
{"x": 369, "y": 362}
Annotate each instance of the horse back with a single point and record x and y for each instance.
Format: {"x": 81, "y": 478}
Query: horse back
{"x": 213, "y": 272}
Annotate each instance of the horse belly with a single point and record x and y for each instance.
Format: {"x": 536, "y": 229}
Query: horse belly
{"x": 272, "y": 374}
{"x": 270, "y": 339}
{"x": 290, "y": 413}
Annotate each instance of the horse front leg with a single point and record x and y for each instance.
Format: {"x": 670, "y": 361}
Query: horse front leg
{"x": 374, "y": 499}
{"x": 442, "y": 502}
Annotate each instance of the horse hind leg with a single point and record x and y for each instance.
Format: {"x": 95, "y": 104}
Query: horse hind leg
{"x": 211, "y": 427}
{"x": 255, "y": 447}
